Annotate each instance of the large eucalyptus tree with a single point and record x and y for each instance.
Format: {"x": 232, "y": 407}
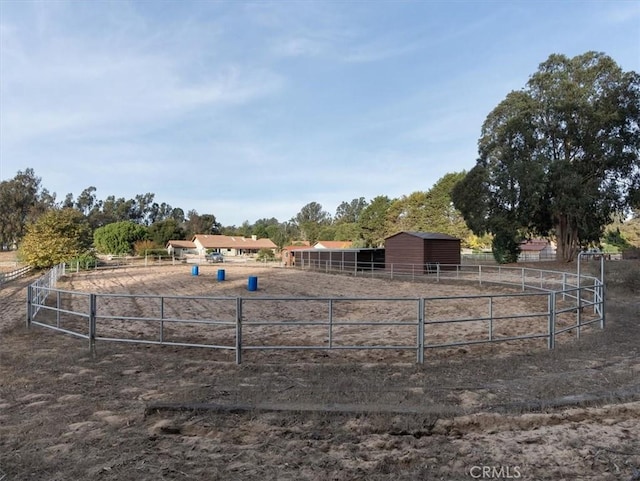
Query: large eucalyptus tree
{"x": 559, "y": 157}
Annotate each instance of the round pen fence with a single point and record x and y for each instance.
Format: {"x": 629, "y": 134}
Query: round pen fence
{"x": 548, "y": 304}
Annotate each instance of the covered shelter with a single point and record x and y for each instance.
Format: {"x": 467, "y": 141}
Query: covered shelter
{"x": 429, "y": 250}
{"x": 340, "y": 259}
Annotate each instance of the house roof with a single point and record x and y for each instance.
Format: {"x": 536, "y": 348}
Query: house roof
{"x": 294, "y": 248}
{"x": 426, "y": 235}
{"x": 232, "y": 242}
{"x": 181, "y": 244}
{"x": 534, "y": 245}
{"x": 333, "y": 245}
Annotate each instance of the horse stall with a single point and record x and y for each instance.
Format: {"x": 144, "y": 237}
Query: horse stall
{"x": 354, "y": 259}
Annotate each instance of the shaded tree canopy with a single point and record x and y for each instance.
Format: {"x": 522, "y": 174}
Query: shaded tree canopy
{"x": 559, "y": 157}
{"x": 119, "y": 237}
{"x": 201, "y": 224}
{"x": 373, "y": 221}
{"x": 349, "y": 212}
{"x": 163, "y": 231}
{"x": 59, "y": 235}
{"x": 430, "y": 211}
{"x": 21, "y": 202}
{"x": 310, "y": 221}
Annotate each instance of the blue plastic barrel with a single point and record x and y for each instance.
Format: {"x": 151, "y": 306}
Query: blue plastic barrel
{"x": 253, "y": 283}
{"x": 194, "y": 271}
{"x": 220, "y": 275}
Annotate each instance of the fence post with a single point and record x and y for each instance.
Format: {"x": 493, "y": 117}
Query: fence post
{"x": 330, "y": 323}
{"x": 238, "y": 330}
{"x": 92, "y": 322}
{"x": 58, "y": 307}
{"x": 491, "y": 318}
{"x": 29, "y": 303}
{"x": 161, "y": 318}
{"x": 601, "y": 291}
{"x": 420, "y": 343}
{"x": 552, "y": 320}
{"x": 602, "y": 307}
{"x": 579, "y": 311}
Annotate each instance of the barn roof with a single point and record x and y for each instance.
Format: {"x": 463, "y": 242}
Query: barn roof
{"x": 295, "y": 248}
{"x": 333, "y": 244}
{"x": 426, "y": 235}
{"x": 181, "y": 244}
{"x": 534, "y": 245}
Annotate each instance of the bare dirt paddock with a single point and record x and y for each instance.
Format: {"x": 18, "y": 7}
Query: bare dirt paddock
{"x": 132, "y": 412}
{"x": 364, "y": 311}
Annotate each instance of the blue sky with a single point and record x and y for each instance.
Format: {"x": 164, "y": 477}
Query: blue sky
{"x": 248, "y": 110}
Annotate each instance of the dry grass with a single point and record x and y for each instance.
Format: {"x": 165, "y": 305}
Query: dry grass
{"x": 8, "y": 261}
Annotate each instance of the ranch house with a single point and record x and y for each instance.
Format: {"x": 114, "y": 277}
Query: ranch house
{"x": 233, "y": 246}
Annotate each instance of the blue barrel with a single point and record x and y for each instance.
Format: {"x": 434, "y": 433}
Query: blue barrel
{"x": 253, "y": 283}
{"x": 220, "y": 275}
{"x": 194, "y": 271}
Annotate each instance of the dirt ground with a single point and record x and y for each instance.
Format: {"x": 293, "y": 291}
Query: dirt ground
{"x": 135, "y": 412}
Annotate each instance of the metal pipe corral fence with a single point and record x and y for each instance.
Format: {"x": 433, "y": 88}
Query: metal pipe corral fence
{"x": 560, "y": 303}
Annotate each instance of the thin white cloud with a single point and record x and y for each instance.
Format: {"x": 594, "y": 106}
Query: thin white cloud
{"x": 622, "y": 12}
{"x": 72, "y": 83}
{"x": 86, "y": 90}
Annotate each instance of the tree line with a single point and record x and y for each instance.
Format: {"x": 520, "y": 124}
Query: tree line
{"x": 558, "y": 159}
{"x": 366, "y": 223}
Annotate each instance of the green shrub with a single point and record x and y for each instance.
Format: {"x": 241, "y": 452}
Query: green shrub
{"x": 87, "y": 260}
{"x": 505, "y": 247}
{"x": 266, "y": 255}
{"x": 118, "y": 238}
{"x": 148, "y": 248}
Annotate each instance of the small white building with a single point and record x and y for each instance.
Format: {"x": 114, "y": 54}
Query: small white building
{"x": 232, "y": 246}
{"x": 534, "y": 250}
{"x": 181, "y": 248}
